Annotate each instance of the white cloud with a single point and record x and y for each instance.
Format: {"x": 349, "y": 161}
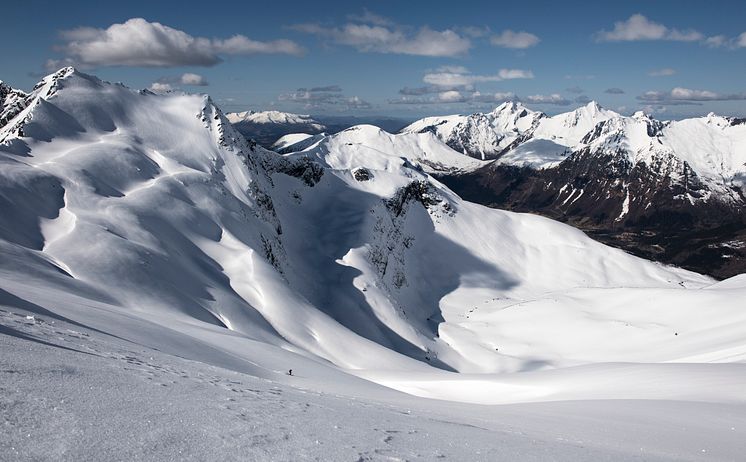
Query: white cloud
{"x": 450, "y": 96}
{"x": 138, "y": 42}
{"x": 741, "y": 40}
{"x": 716, "y": 41}
{"x": 681, "y": 95}
{"x": 453, "y": 69}
{"x": 453, "y": 96}
{"x": 638, "y": 27}
{"x": 508, "y": 74}
{"x": 378, "y": 38}
{"x": 355, "y": 102}
{"x": 664, "y": 72}
{"x": 554, "y": 98}
{"x": 242, "y": 45}
{"x": 464, "y": 78}
{"x": 160, "y": 87}
{"x": 193, "y": 79}
{"x": 518, "y": 40}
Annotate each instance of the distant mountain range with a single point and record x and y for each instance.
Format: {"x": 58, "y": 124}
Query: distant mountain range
{"x": 266, "y": 127}
{"x": 667, "y": 190}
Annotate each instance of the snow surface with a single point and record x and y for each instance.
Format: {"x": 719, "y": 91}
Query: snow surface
{"x": 185, "y": 259}
{"x": 535, "y": 153}
{"x": 296, "y": 142}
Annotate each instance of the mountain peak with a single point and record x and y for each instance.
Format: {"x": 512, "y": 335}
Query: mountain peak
{"x": 593, "y": 106}
{"x": 509, "y": 106}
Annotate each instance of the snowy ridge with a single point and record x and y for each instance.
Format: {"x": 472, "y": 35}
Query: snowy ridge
{"x": 708, "y": 150}
{"x": 149, "y": 217}
{"x": 296, "y": 142}
{"x": 711, "y": 149}
{"x": 484, "y": 136}
{"x": 274, "y": 117}
{"x": 367, "y": 146}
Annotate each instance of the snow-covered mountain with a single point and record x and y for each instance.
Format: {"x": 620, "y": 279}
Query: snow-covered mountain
{"x": 509, "y": 126}
{"x": 266, "y": 127}
{"x": 150, "y": 218}
{"x": 274, "y": 117}
{"x": 633, "y": 181}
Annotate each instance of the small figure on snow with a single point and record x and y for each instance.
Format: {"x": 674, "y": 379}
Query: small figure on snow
{"x": 290, "y": 372}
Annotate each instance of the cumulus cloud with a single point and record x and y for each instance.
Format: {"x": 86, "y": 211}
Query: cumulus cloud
{"x": 456, "y": 84}
{"x": 554, "y": 98}
{"x": 638, "y": 27}
{"x": 371, "y": 33}
{"x": 450, "y": 96}
{"x": 324, "y": 97}
{"x": 683, "y": 96}
{"x": 188, "y": 78}
{"x": 138, "y": 42}
{"x": 458, "y": 77}
{"x": 614, "y": 91}
{"x": 509, "y": 74}
{"x": 575, "y": 90}
{"x": 193, "y": 79}
{"x": 516, "y": 40}
{"x": 665, "y": 72}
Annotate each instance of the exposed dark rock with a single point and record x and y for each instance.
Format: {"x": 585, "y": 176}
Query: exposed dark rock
{"x": 303, "y": 168}
{"x": 420, "y": 191}
{"x": 362, "y": 174}
{"x": 659, "y": 211}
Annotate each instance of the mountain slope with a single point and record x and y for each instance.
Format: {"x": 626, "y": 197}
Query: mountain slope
{"x": 150, "y": 218}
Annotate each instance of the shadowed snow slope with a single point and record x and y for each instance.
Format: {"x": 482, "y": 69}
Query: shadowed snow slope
{"x": 148, "y": 217}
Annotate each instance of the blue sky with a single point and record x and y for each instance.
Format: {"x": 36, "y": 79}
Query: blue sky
{"x": 406, "y": 59}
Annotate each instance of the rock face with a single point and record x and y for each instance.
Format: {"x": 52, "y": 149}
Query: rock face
{"x": 12, "y": 102}
{"x": 671, "y": 191}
